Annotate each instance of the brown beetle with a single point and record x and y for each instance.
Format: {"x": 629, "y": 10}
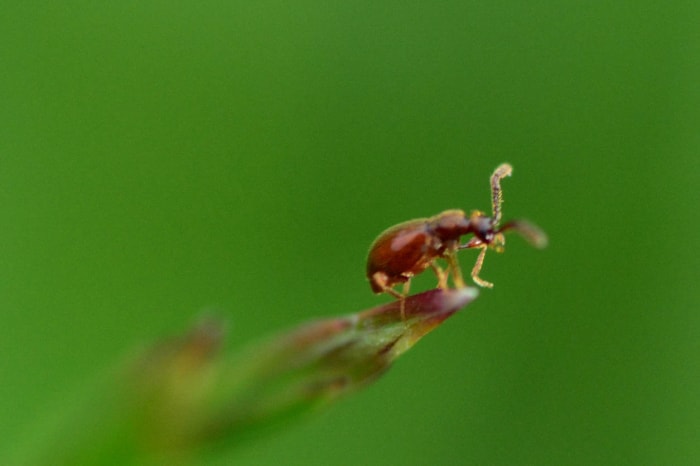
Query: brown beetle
{"x": 409, "y": 248}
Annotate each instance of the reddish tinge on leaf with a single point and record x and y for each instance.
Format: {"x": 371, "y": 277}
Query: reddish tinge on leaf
{"x": 322, "y": 360}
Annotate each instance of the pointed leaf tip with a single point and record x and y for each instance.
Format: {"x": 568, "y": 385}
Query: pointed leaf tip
{"x": 434, "y": 305}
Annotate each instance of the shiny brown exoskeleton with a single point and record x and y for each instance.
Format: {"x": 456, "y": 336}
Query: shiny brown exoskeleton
{"x": 409, "y": 248}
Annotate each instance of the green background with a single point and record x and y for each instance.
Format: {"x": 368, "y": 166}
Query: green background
{"x": 162, "y": 159}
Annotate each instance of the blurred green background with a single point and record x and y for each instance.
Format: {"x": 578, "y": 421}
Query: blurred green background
{"x": 160, "y": 159}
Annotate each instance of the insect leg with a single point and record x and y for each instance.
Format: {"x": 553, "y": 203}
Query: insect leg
{"x": 380, "y": 279}
{"x": 477, "y": 269}
{"x": 441, "y": 275}
{"x": 453, "y": 265}
{"x": 473, "y": 243}
{"x": 406, "y": 287}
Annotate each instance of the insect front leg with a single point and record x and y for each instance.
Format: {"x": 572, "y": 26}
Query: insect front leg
{"x": 477, "y": 243}
{"x": 477, "y": 269}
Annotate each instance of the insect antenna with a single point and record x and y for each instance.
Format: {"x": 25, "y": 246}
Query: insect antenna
{"x": 501, "y": 172}
{"x": 531, "y": 232}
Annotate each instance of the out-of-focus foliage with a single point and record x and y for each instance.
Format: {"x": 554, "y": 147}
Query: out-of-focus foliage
{"x": 180, "y": 397}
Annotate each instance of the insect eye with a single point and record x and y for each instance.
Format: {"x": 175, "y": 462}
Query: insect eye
{"x": 485, "y": 230}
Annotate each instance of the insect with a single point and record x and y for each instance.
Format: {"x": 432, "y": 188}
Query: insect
{"x": 411, "y": 247}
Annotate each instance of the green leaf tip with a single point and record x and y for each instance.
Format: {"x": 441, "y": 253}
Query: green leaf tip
{"x": 320, "y": 361}
{"x": 183, "y": 397}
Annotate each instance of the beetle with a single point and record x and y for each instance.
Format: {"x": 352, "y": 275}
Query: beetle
{"x": 409, "y": 248}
